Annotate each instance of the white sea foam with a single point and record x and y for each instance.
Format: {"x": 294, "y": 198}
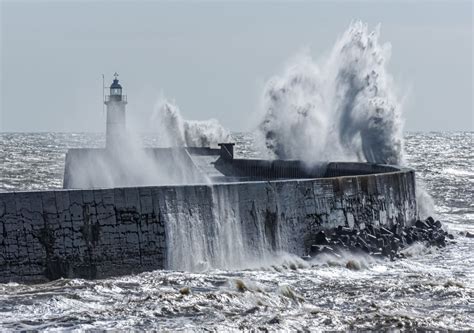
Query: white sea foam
{"x": 469, "y": 174}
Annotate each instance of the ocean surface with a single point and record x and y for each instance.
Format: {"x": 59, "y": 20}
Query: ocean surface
{"x": 433, "y": 289}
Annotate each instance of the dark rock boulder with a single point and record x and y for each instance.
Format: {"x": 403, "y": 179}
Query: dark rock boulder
{"x": 320, "y": 238}
{"x": 381, "y": 241}
{"x": 422, "y": 225}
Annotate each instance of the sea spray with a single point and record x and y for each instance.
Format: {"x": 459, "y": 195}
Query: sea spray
{"x": 343, "y": 108}
{"x": 174, "y": 131}
{"x": 128, "y": 163}
{"x": 168, "y": 124}
{"x": 213, "y": 236}
{"x": 426, "y": 206}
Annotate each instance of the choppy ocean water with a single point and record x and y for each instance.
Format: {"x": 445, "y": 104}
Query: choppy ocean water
{"x": 432, "y": 289}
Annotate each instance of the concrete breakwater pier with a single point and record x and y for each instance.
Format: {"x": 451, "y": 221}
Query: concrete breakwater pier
{"x": 256, "y": 208}
{"x": 205, "y": 208}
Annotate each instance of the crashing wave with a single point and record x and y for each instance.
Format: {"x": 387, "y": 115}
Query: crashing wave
{"x": 341, "y": 108}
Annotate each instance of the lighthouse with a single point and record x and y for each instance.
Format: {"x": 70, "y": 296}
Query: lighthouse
{"x": 115, "y": 102}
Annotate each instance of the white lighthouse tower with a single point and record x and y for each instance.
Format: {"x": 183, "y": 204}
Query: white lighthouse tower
{"x": 115, "y": 130}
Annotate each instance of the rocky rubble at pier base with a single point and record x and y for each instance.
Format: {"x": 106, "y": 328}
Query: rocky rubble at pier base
{"x": 380, "y": 241}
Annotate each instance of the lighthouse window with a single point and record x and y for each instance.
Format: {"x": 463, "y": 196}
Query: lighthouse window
{"x": 116, "y": 92}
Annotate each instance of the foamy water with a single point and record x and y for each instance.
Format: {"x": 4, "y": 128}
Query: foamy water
{"x": 432, "y": 289}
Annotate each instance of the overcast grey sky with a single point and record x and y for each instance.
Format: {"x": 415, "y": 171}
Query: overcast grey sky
{"x": 213, "y": 58}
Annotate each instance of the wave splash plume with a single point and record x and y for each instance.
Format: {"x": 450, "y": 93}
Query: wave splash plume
{"x": 343, "y": 107}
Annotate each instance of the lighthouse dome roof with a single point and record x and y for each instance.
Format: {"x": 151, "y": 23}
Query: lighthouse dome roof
{"x": 115, "y": 84}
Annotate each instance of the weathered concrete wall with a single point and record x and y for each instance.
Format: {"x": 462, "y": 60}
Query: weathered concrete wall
{"x": 105, "y": 232}
{"x": 81, "y": 233}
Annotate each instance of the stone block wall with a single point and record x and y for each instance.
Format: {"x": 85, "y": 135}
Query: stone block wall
{"x": 104, "y": 232}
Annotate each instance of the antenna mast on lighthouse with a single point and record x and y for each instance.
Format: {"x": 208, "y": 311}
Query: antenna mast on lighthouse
{"x": 103, "y": 93}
